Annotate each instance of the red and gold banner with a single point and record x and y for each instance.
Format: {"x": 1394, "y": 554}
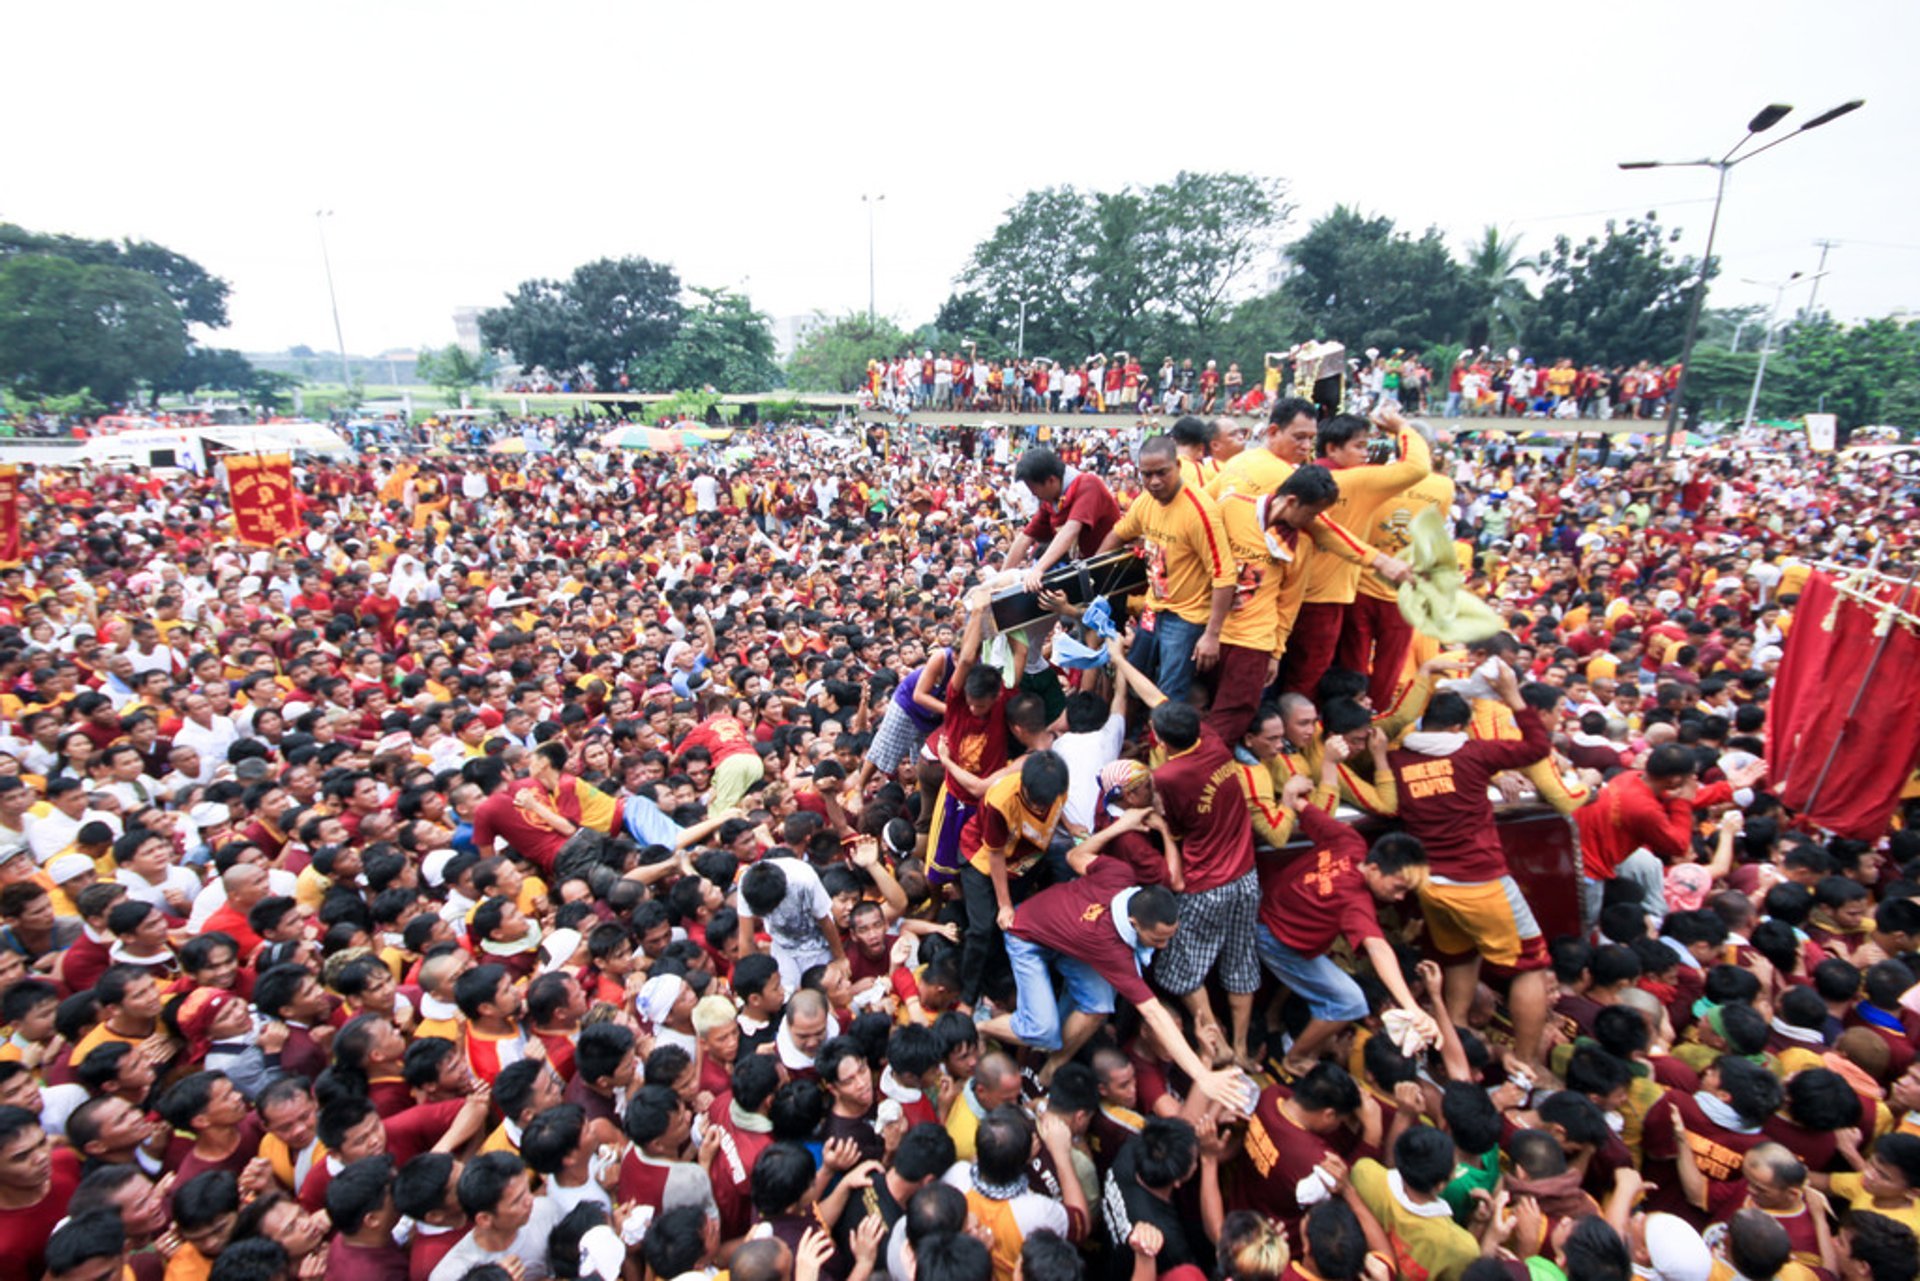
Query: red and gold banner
{"x": 261, "y": 486}
{"x": 9, "y": 515}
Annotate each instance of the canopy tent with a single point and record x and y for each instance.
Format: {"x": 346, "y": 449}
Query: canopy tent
{"x": 678, "y": 438}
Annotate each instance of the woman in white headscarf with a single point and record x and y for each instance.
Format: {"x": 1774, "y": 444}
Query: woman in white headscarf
{"x": 411, "y": 584}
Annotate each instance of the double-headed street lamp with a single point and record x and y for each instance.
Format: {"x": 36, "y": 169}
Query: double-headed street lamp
{"x": 1765, "y": 120}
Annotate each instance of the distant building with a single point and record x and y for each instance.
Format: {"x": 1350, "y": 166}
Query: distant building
{"x": 466, "y": 327}
{"x": 790, "y": 331}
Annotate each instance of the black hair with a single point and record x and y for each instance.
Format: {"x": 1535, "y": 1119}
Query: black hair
{"x": 1167, "y": 1150}
{"x": 781, "y": 1176}
{"x": 358, "y": 1191}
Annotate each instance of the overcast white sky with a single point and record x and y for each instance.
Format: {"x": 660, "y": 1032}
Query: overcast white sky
{"x": 464, "y": 147}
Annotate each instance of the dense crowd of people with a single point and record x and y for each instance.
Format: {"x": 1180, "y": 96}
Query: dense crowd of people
{"x": 585, "y": 867}
{"x": 1478, "y": 384}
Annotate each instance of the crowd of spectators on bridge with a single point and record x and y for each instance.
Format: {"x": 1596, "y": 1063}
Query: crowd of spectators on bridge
{"x": 1477, "y": 384}
{"x": 575, "y": 866}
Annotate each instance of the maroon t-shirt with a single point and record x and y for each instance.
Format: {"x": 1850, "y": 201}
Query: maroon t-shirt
{"x": 1278, "y": 1154}
{"x": 1085, "y": 499}
{"x": 1717, "y": 1150}
{"x": 1443, "y": 799}
{"x": 347, "y": 1262}
{"x": 1310, "y": 900}
{"x": 1207, "y": 809}
{"x": 1076, "y": 919}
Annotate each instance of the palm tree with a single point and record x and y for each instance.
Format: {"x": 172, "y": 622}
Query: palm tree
{"x": 1494, "y": 268}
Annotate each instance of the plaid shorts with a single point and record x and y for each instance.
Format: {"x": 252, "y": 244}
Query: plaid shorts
{"x": 1216, "y": 925}
{"x": 897, "y": 740}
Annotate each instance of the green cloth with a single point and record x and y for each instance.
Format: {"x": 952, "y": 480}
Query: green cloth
{"x": 1435, "y": 601}
{"x": 1479, "y": 1175}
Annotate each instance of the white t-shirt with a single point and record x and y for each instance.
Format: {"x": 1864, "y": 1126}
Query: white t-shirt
{"x": 1086, "y": 755}
{"x": 794, "y": 926}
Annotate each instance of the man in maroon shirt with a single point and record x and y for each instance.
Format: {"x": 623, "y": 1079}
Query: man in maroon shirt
{"x": 36, "y": 1181}
{"x": 381, "y": 605}
{"x": 360, "y": 1205}
{"x": 1098, "y": 931}
{"x": 1287, "y": 1144}
{"x": 1076, "y": 511}
{"x": 1309, "y": 902}
{"x": 1473, "y": 907}
{"x": 1204, "y": 795}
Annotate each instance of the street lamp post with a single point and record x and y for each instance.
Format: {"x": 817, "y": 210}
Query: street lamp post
{"x": 1767, "y": 118}
{"x": 1766, "y": 336}
{"x": 320, "y": 217}
{"x": 870, "y": 202}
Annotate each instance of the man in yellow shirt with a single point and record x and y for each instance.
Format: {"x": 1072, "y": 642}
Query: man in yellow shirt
{"x": 1264, "y": 534}
{"x": 1374, "y": 638}
{"x": 1888, "y": 1182}
{"x": 1190, "y": 569}
{"x": 1194, "y": 437}
{"x": 1291, "y": 427}
{"x": 1364, "y": 488}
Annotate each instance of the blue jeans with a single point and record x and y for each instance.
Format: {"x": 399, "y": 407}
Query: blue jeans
{"x": 1173, "y": 641}
{"x": 1453, "y": 405}
{"x": 1329, "y": 991}
{"x": 1036, "y": 1017}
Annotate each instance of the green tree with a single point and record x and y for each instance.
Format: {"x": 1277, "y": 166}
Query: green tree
{"x": 454, "y": 369}
{"x": 1117, "y": 270}
{"x": 1202, "y": 234}
{"x": 1361, "y": 281}
{"x": 1612, "y": 300}
{"x": 833, "y": 356}
{"x": 1494, "y": 269}
{"x": 200, "y": 295}
{"x": 67, "y": 326}
{"x": 1850, "y": 371}
{"x": 722, "y": 342}
{"x": 1037, "y": 264}
{"x": 1271, "y": 322}
{"x": 608, "y": 317}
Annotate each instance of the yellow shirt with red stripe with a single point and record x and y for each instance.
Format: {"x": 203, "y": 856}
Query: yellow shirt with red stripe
{"x": 1268, "y": 588}
{"x": 1493, "y": 721}
{"x": 1187, "y": 552}
{"x": 1028, "y": 833}
{"x": 1251, "y": 471}
{"x": 1363, "y": 490}
{"x": 1199, "y": 474}
{"x": 1390, "y": 528}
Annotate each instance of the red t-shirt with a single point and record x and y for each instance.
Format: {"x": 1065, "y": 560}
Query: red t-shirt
{"x": 1207, "y": 809}
{"x": 1076, "y": 919}
{"x": 722, "y": 736}
{"x": 1085, "y": 499}
{"x": 978, "y": 744}
{"x": 1310, "y": 900}
{"x": 24, "y": 1232}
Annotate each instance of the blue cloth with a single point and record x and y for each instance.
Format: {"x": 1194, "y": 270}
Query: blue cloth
{"x": 648, "y": 824}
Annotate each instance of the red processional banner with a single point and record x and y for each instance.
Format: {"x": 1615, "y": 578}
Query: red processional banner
{"x": 9, "y": 515}
{"x": 1842, "y": 740}
{"x": 261, "y": 486}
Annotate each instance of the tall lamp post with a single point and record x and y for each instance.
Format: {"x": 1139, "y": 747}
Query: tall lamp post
{"x": 1780, "y": 288}
{"x": 870, "y": 202}
{"x": 1767, "y": 118}
{"x": 320, "y": 217}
